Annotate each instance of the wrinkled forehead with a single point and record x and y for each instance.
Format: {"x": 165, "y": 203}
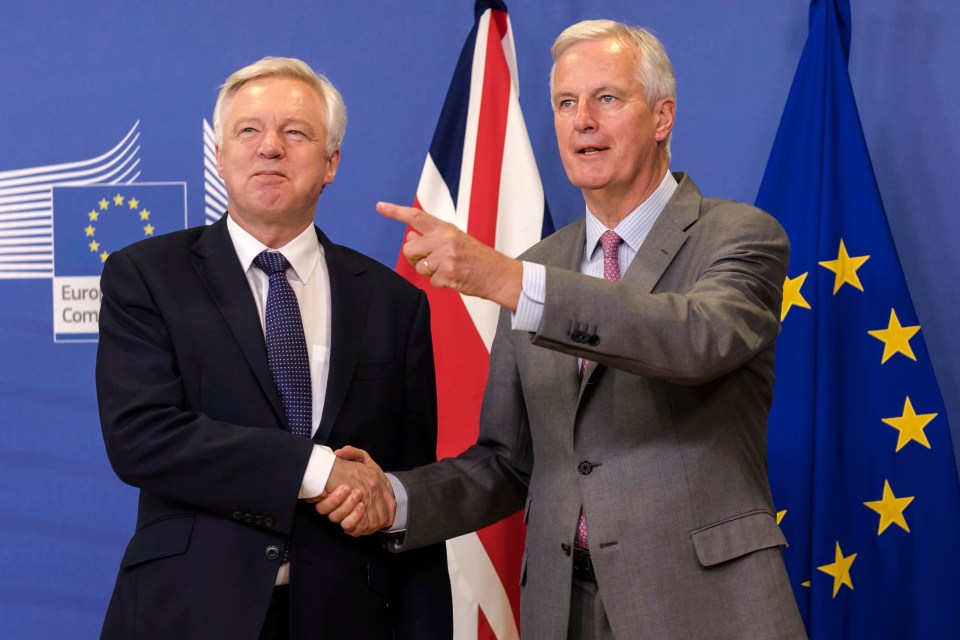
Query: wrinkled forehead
{"x": 596, "y": 62}
{"x": 275, "y": 92}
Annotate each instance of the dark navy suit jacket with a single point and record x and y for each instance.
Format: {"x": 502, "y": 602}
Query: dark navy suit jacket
{"x": 191, "y": 417}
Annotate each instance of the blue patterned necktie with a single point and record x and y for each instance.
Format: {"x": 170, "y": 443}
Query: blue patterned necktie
{"x": 286, "y": 345}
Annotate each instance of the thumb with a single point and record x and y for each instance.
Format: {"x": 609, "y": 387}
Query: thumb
{"x": 353, "y": 454}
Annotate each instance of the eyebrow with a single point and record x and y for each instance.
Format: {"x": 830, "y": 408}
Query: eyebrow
{"x": 595, "y": 91}
{"x": 299, "y": 123}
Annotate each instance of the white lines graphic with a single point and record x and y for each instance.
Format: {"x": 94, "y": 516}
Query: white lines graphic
{"x": 214, "y": 193}
{"x": 26, "y": 204}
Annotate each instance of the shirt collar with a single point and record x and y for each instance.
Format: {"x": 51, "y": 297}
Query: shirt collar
{"x": 302, "y": 252}
{"x": 634, "y": 228}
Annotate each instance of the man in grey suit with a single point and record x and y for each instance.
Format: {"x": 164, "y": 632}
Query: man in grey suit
{"x": 631, "y": 410}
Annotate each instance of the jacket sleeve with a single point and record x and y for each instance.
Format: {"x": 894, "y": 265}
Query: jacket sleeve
{"x": 154, "y": 438}
{"x": 735, "y": 263}
{"x": 488, "y": 481}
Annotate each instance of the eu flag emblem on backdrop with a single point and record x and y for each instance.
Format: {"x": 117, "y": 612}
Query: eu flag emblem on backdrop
{"x": 91, "y": 221}
{"x": 861, "y": 460}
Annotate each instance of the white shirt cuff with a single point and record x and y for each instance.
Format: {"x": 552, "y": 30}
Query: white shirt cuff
{"x": 529, "y": 311}
{"x": 318, "y": 472}
{"x": 400, "y": 516}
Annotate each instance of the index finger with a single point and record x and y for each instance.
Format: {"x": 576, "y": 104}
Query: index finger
{"x": 416, "y": 218}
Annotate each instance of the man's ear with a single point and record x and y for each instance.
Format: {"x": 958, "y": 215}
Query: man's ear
{"x": 665, "y": 111}
{"x": 332, "y": 165}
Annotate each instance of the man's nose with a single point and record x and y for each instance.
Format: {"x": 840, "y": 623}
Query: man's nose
{"x": 271, "y": 145}
{"x": 583, "y": 120}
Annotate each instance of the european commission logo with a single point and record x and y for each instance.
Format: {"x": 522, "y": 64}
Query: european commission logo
{"x": 91, "y": 222}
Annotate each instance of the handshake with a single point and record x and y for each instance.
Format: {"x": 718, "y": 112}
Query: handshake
{"x": 358, "y": 495}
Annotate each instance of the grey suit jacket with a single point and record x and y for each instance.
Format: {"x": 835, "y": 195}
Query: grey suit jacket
{"x": 663, "y": 441}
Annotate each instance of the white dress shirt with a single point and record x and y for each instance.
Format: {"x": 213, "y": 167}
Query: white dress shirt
{"x": 310, "y": 281}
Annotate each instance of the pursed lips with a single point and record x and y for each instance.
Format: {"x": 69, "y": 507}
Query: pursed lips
{"x": 268, "y": 174}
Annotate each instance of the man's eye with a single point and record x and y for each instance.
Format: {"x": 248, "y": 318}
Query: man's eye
{"x": 565, "y": 104}
{"x": 607, "y": 99}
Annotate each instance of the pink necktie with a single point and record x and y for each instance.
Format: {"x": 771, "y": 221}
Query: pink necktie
{"x": 610, "y": 242}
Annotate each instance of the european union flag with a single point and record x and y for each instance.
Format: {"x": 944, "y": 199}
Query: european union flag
{"x": 91, "y": 221}
{"x": 860, "y": 455}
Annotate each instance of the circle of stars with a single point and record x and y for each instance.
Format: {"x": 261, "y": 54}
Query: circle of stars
{"x": 93, "y": 217}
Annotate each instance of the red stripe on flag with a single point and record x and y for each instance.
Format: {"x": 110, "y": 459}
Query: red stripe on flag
{"x": 483, "y": 627}
{"x": 461, "y": 361}
{"x": 491, "y": 132}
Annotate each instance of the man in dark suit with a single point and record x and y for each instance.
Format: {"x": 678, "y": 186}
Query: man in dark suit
{"x": 630, "y": 380}
{"x": 197, "y": 412}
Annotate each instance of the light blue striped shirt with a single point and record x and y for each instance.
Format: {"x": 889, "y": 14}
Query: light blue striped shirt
{"x": 633, "y": 230}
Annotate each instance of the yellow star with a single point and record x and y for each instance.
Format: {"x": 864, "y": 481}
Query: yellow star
{"x": 93, "y": 215}
{"x": 94, "y": 246}
{"x": 840, "y": 570}
{"x": 104, "y": 204}
{"x": 805, "y": 583}
{"x": 133, "y": 203}
{"x": 911, "y": 425}
{"x": 895, "y": 338}
{"x": 780, "y": 515}
{"x": 89, "y": 230}
{"x": 792, "y": 296}
{"x": 104, "y": 256}
{"x": 118, "y": 199}
{"x": 144, "y": 215}
{"x": 890, "y": 508}
{"x": 846, "y": 269}
{"x": 148, "y": 230}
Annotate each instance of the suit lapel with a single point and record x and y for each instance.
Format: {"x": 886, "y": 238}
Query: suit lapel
{"x": 349, "y": 298}
{"x": 216, "y": 262}
{"x": 666, "y": 237}
{"x": 660, "y": 247}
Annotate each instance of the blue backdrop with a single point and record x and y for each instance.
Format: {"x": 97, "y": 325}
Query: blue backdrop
{"x": 77, "y": 80}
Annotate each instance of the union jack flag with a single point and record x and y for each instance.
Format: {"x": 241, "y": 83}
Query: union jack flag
{"x": 480, "y": 175}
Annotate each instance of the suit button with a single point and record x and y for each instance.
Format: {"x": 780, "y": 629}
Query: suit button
{"x": 268, "y": 522}
{"x": 565, "y": 548}
{"x": 594, "y": 341}
{"x": 585, "y": 468}
{"x": 248, "y": 518}
{"x": 578, "y": 336}
{"x": 258, "y": 520}
{"x": 237, "y": 515}
{"x": 272, "y": 552}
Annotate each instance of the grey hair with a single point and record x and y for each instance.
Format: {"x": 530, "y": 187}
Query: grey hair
{"x": 336, "y": 116}
{"x": 654, "y": 69}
